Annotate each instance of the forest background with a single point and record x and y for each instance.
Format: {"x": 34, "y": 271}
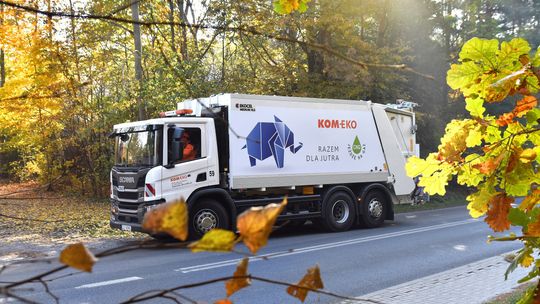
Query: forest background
{"x": 64, "y": 81}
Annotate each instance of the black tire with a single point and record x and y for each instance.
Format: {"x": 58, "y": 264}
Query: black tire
{"x": 206, "y": 215}
{"x": 338, "y": 212}
{"x": 374, "y": 208}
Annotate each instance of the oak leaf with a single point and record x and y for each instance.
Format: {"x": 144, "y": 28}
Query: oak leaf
{"x": 311, "y": 280}
{"x": 78, "y": 257}
{"x": 534, "y": 227}
{"x": 505, "y": 119}
{"x": 525, "y": 105}
{"x": 240, "y": 279}
{"x": 530, "y": 200}
{"x": 171, "y": 218}
{"x": 528, "y": 155}
{"x": 215, "y": 240}
{"x": 497, "y": 215}
{"x": 255, "y": 224}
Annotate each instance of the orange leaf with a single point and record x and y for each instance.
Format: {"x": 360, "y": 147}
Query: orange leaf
{"x": 171, "y": 218}
{"x": 223, "y": 301}
{"x": 505, "y": 119}
{"x": 486, "y": 167}
{"x": 312, "y": 280}
{"x": 525, "y": 105}
{"x": 513, "y": 161}
{"x": 78, "y": 257}
{"x": 233, "y": 285}
{"x": 534, "y": 228}
{"x": 255, "y": 224}
{"x": 490, "y": 165}
{"x": 497, "y": 215}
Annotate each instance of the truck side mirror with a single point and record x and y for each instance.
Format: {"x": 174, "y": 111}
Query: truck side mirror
{"x": 176, "y": 147}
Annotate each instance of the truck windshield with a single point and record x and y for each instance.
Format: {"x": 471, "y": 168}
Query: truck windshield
{"x": 137, "y": 149}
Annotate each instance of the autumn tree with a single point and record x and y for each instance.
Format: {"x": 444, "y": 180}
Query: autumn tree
{"x": 497, "y": 154}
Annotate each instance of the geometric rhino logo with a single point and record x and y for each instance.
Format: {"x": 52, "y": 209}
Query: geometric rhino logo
{"x": 270, "y": 139}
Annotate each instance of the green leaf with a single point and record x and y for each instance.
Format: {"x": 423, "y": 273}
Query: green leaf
{"x": 532, "y": 116}
{"x": 468, "y": 175}
{"x": 536, "y": 59}
{"x": 278, "y": 8}
{"x": 532, "y": 274}
{"x": 475, "y": 137}
{"x": 511, "y": 51}
{"x": 518, "y": 217}
{"x": 480, "y": 50}
{"x": 302, "y": 7}
{"x": 475, "y": 107}
{"x": 462, "y": 76}
{"x": 515, "y": 262}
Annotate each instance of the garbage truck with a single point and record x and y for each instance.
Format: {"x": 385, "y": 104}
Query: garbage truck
{"x": 338, "y": 162}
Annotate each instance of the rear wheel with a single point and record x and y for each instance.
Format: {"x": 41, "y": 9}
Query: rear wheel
{"x": 205, "y": 216}
{"x": 338, "y": 212}
{"x": 374, "y": 208}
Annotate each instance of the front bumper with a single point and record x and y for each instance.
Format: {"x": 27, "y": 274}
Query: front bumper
{"x": 130, "y": 219}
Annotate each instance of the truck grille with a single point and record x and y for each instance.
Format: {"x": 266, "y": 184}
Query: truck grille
{"x": 129, "y": 195}
{"x": 128, "y": 206}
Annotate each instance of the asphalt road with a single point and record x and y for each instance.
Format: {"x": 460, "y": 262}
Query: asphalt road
{"x": 352, "y": 263}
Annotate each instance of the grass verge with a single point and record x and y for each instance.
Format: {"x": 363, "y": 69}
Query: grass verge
{"x": 512, "y": 297}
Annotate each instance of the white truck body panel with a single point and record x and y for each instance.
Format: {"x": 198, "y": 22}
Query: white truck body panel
{"x": 324, "y": 149}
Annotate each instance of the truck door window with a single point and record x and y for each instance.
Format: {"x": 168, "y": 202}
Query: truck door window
{"x": 191, "y": 142}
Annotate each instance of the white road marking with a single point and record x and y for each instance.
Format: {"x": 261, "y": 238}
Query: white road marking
{"x": 324, "y": 246}
{"x": 104, "y": 283}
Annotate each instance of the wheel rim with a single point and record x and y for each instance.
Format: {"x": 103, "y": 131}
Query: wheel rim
{"x": 375, "y": 208}
{"x": 340, "y": 211}
{"x": 205, "y": 220}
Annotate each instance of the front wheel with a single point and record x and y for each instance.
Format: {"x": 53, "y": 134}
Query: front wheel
{"x": 374, "y": 208}
{"x": 205, "y": 216}
{"x": 338, "y": 212}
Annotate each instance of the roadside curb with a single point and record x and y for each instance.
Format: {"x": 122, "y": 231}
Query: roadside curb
{"x": 472, "y": 283}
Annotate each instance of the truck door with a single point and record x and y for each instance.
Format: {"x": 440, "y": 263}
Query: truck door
{"x": 189, "y": 172}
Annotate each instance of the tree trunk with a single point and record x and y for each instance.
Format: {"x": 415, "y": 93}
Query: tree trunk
{"x": 2, "y": 57}
{"x": 171, "y": 20}
{"x": 138, "y": 59}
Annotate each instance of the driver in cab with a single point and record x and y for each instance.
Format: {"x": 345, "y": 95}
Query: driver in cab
{"x": 189, "y": 151}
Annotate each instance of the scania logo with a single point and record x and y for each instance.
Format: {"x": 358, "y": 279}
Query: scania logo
{"x": 127, "y": 179}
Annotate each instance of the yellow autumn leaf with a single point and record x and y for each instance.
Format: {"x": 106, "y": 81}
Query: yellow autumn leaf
{"x": 530, "y": 200}
{"x": 171, "y": 218}
{"x": 215, "y": 240}
{"x": 478, "y": 202}
{"x": 527, "y": 156}
{"x": 240, "y": 279}
{"x": 78, "y": 257}
{"x": 527, "y": 260}
{"x": 311, "y": 281}
{"x": 255, "y": 224}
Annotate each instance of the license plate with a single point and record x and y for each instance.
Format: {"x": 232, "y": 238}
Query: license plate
{"x": 126, "y": 227}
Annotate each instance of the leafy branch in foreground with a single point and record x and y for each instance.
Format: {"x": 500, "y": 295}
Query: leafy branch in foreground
{"x": 254, "y": 227}
{"x": 498, "y": 154}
